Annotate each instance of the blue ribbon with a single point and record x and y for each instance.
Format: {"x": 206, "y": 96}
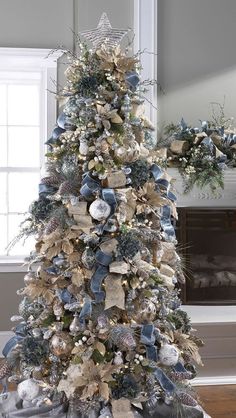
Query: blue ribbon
{"x": 103, "y": 260}
{"x": 86, "y": 311}
{"x": 65, "y": 296}
{"x": 55, "y": 135}
{"x": 148, "y": 339}
{"x": 132, "y": 79}
{"x": 89, "y": 187}
{"x": 64, "y": 122}
{"x": 210, "y": 144}
{"x": 165, "y": 210}
{"x": 45, "y": 190}
{"x": 162, "y": 183}
{"x": 11, "y": 344}
{"x": 166, "y": 222}
{"x": 180, "y": 368}
{"x": 166, "y": 384}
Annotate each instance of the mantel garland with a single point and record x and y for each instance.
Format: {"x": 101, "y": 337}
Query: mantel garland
{"x": 201, "y": 154}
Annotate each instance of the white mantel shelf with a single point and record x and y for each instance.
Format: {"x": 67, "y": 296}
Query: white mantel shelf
{"x": 211, "y": 314}
{"x": 223, "y": 198}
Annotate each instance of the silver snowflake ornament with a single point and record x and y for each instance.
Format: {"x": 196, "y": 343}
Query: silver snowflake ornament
{"x": 104, "y": 34}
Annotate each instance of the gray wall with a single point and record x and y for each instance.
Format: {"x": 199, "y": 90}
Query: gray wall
{"x": 36, "y": 23}
{"x": 196, "y": 57}
{"x": 9, "y": 300}
{"x": 120, "y": 13}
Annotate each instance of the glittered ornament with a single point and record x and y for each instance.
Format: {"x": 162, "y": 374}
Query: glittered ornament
{"x": 52, "y": 225}
{"x": 83, "y": 148}
{"x": 186, "y": 399}
{"x": 99, "y": 210}
{"x": 58, "y": 309}
{"x": 123, "y": 338}
{"x": 168, "y": 355}
{"x": 145, "y": 311}
{"x": 140, "y": 173}
{"x": 28, "y": 390}
{"x": 5, "y": 368}
{"x": 29, "y": 278}
{"x": 75, "y": 325}
{"x": 50, "y": 180}
{"x": 88, "y": 258}
{"x": 118, "y": 359}
{"x": 24, "y": 308}
{"x": 61, "y": 344}
{"x": 66, "y": 188}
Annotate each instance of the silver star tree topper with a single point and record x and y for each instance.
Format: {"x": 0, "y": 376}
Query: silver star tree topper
{"x": 104, "y": 34}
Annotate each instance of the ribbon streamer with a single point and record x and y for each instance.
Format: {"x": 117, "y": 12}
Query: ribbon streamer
{"x": 86, "y": 310}
{"x": 165, "y": 210}
{"x": 103, "y": 261}
{"x": 166, "y": 222}
{"x": 132, "y": 79}
{"x": 55, "y": 135}
{"x": 180, "y": 368}
{"x": 166, "y": 384}
{"x": 89, "y": 187}
{"x": 11, "y": 344}
{"x": 148, "y": 339}
{"x": 64, "y": 122}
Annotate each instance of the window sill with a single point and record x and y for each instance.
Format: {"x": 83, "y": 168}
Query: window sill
{"x": 13, "y": 266}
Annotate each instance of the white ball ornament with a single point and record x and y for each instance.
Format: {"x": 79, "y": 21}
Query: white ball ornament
{"x": 28, "y": 390}
{"x": 168, "y": 355}
{"x": 99, "y": 210}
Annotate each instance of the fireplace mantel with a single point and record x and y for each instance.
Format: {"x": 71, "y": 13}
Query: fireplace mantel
{"x": 223, "y": 198}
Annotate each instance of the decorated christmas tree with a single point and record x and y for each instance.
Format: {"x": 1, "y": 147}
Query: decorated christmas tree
{"x": 100, "y": 332}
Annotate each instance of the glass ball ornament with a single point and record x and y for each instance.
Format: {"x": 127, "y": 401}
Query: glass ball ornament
{"x": 168, "y": 355}
{"x": 61, "y": 344}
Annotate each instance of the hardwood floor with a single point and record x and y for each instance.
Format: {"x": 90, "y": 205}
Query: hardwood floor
{"x": 218, "y": 401}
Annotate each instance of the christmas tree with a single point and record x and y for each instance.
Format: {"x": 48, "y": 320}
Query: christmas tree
{"x": 100, "y": 331}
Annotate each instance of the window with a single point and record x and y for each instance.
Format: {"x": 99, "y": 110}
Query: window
{"x": 27, "y": 115}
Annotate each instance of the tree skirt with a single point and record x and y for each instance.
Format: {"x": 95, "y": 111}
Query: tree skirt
{"x": 11, "y": 407}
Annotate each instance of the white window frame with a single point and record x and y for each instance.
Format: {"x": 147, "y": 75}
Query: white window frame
{"x": 145, "y": 30}
{"x": 39, "y": 60}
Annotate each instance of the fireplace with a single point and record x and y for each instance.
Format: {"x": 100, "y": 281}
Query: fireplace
{"x": 206, "y": 231}
{"x": 207, "y": 243}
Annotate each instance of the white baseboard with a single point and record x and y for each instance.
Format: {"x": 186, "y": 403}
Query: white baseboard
{"x": 214, "y": 380}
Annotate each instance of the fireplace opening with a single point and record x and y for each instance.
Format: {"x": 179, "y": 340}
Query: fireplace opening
{"x": 207, "y": 243}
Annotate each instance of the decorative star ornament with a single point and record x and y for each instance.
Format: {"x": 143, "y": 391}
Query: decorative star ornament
{"x": 104, "y": 34}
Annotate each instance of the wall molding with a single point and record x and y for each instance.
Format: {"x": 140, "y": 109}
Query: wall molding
{"x": 223, "y": 198}
{"x": 145, "y": 29}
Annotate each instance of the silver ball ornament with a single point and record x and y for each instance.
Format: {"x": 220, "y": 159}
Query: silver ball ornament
{"x": 99, "y": 210}
{"x": 28, "y": 390}
{"x": 168, "y": 355}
